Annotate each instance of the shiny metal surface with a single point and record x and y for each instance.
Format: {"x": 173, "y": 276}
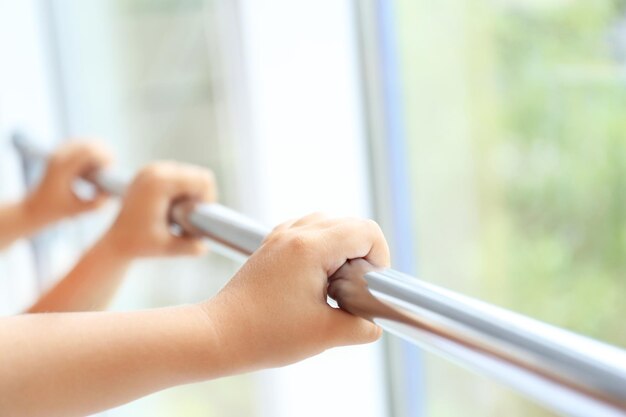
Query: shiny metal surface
{"x": 570, "y": 374}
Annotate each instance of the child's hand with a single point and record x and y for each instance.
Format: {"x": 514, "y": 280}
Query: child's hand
{"x": 54, "y": 197}
{"x": 274, "y": 311}
{"x": 142, "y": 227}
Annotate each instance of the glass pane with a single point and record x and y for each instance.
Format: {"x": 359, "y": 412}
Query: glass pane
{"x": 514, "y": 113}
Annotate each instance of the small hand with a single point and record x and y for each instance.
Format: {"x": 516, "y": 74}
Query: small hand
{"x": 54, "y": 197}
{"x": 274, "y": 310}
{"x": 142, "y": 227}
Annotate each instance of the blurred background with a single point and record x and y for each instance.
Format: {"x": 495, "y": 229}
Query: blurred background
{"x": 488, "y": 138}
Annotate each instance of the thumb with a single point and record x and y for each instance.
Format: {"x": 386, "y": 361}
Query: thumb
{"x": 186, "y": 245}
{"x": 348, "y": 329}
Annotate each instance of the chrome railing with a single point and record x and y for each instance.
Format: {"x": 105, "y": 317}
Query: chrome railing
{"x": 567, "y": 373}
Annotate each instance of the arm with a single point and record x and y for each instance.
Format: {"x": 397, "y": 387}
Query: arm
{"x": 54, "y": 199}
{"x": 140, "y": 230}
{"x": 90, "y": 285}
{"x": 272, "y": 313}
{"x": 75, "y": 364}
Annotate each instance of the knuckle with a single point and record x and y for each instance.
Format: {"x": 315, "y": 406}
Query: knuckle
{"x": 276, "y": 231}
{"x": 293, "y": 242}
{"x": 372, "y": 226}
{"x": 300, "y": 244}
{"x": 318, "y": 217}
{"x": 153, "y": 172}
{"x": 149, "y": 178}
{"x": 84, "y": 149}
{"x": 279, "y": 237}
{"x": 98, "y": 150}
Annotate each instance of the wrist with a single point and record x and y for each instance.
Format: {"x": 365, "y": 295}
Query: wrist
{"x": 231, "y": 331}
{"x": 37, "y": 212}
{"x": 111, "y": 247}
{"x": 207, "y": 354}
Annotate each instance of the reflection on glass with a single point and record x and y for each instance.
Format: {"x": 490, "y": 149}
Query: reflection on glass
{"x": 145, "y": 76}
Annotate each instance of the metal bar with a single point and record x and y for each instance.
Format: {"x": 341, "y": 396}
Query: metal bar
{"x": 568, "y": 373}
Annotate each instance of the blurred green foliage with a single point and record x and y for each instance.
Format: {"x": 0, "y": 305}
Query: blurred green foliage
{"x": 562, "y": 86}
{"x": 516, "y": 126}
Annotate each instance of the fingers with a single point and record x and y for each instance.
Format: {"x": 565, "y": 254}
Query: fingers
{"x": 284, "y": 226}
{"x": 353, "y": 239}
{"x": 57, "y": 189}
{"x": 155, "y": 190}
{"x": 80, "y": 158}
{"x": 281, "y": 227}
{"x": 172, "y": 180}
{"x": 193, "y": 182}
{"x": 295, "y": 222}
{"x": 336, "y": 241}
{"x": 187, "y": 182}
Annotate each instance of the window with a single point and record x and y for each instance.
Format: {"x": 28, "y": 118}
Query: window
{"x": 485, "y": 136}
{"x": 511, "y": 115}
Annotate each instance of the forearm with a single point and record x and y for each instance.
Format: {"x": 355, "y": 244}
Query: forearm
{"x": 90, "y": 285}
{"x": 19, "y": 220}
{"x": 77, "y": 364}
